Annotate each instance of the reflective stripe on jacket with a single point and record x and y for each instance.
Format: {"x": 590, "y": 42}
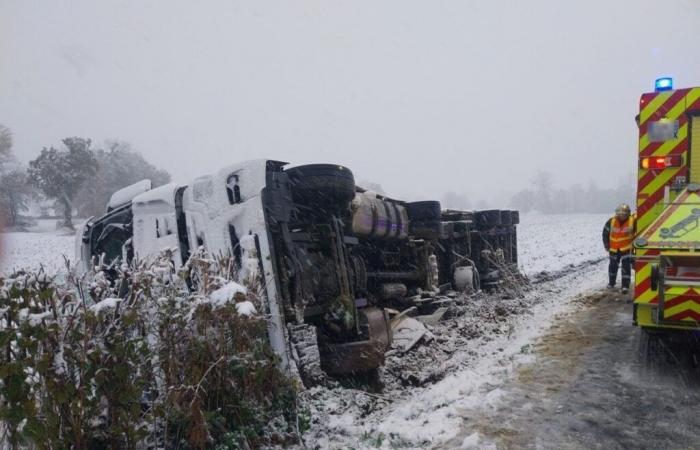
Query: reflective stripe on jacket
{"x": 621, "y": 234}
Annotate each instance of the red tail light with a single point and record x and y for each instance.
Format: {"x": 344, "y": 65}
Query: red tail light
{"x": 661, "y": 162}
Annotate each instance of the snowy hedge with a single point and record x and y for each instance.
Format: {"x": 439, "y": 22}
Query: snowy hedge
{"x": 142, "y": 362}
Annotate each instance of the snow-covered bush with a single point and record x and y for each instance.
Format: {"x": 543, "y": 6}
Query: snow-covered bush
{"x": 151, "y": 359}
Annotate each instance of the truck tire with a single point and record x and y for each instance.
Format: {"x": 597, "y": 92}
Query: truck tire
{"x": 305, "y": 343}
{"x": 426, "y": 229}
{"x": 515, "y": 217}
{"x": 324, "y": 184}
{"x": 506, "y": 218}
{"x": 425, "y": 211}
{"x": 488, "y": 218}
{"x": 654, "y": 347}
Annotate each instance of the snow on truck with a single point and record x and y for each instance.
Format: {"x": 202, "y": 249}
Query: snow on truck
{"x": 331, "y": 255}
{"x": 667, "y": 246}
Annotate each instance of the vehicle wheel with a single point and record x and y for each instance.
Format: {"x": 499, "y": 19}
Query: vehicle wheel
{"x": 305, "y": 342}
{"x": 654, "y": 347}
{"x": 426, "y": 229}
{"x": 425, "y": 211}
{"x": 506, "y": 218}
{"x": 325, "y": 184}
{"x": 515, "y": 217}
{"x": 489, "y": 218}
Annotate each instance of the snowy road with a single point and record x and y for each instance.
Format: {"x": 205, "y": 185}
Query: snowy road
{"x": 593, "y": 383}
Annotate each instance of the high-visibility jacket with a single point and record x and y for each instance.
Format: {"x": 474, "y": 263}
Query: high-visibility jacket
{"x": 621, "y": 234}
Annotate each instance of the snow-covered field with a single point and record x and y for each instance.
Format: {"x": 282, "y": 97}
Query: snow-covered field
{"x": 545, "y": 243}
{"x": 553, "y": 242}
{"x": 42, "y": 245}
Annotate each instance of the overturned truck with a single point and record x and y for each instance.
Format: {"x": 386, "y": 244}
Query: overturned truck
{"x": 331, "y": 255}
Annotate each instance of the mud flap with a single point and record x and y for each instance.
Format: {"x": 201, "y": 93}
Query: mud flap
{"x": 360, "y": 356}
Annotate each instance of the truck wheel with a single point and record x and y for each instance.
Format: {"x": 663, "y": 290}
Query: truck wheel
{"x": 653, "y": 347}
{"x": 305, "y": 344}
{"x": 488, "y": 218}
{"x": 325, "y": 184}
{"x": 506, "y": 217}
{"x": 425, "y": 211}
{"x": 426, "y": 229}
{"x": 515, "y": 217}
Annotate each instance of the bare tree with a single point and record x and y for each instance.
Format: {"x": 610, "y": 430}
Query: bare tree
{"x": 59, "y": 174}
{"x": 14, "y": 194}
{"x": 5, "y": 145}
{"x": 14, "y": 190}
{"x": 542, "y": 184}
{"x": 119, "y": 165}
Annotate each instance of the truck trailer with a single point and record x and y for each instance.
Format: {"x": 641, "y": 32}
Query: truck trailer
{"x": 331, "y": 255}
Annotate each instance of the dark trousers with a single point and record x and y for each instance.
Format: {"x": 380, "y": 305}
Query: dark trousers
{"x": 617, "y": 259}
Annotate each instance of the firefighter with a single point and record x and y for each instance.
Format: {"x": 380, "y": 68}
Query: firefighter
{"x": 618, "y": 235}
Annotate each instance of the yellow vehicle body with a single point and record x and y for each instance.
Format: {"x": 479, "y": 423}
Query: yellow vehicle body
{"x": 667, "y": 246}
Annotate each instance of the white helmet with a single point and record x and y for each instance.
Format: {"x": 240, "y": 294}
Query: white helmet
{"x": 623, "y": 209}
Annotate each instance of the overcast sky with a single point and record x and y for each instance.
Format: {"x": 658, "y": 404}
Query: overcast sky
{"x": 421, "y": 97}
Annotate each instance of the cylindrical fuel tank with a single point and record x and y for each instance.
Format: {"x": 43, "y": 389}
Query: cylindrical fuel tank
{"x": 376, "y": 218}
{"x": 392, "y": 291}
{"x": 464, "y": 279}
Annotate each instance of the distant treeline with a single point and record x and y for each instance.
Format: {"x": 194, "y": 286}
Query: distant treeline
{"x": 73, "y": 178}
{"x": 543, "y": 197}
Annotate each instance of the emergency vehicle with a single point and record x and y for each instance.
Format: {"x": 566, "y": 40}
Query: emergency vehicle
{"x": 667, "y": 245}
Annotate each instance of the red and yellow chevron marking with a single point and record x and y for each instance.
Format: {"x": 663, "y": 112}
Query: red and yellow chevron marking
{"x": 684, "y": 306}
{"x": 642, "y": 276}
{"x": 681, "y": 304}
{"x": 652, "y": 183}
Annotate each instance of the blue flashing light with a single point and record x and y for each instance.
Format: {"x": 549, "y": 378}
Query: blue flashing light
{"x": 664, "y": 84}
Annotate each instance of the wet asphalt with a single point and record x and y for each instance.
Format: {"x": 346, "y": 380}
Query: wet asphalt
{"x": 594, "y": 381}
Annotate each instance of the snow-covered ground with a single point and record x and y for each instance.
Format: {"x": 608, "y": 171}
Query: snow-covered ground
{"x": 545, "y": 243}
{"x": 42, "y": 245}
{"x": 469, "y": 371}
{"x": 552, "y": 242}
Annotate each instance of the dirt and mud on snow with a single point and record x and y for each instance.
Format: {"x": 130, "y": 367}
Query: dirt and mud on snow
{"x": 459, "y": 363}
{"x": 594, "y": 381}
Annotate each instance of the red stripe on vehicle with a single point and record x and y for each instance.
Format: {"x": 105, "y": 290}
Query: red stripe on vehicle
{"x": 689, "y": 296}
{"x": 689, "y": 314}
{"x": 677, "y": 149}
{"x": 642, "y": 287}
{"x": 665, "y": 107}
{"x": 654, "y": 198}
